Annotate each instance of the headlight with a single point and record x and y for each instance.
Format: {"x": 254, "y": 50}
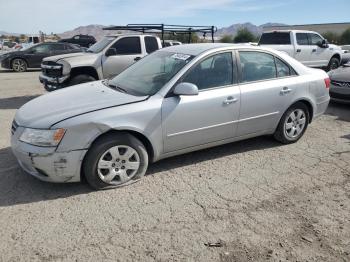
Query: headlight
{"x": 42, "y": 137}
{"x": 65, "y": 67}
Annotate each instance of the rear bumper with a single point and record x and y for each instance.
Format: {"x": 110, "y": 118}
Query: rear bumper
{"x": 321, "y": 106}
{"x": 45, "y": 163}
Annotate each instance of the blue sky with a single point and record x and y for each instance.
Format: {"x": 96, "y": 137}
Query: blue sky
{"x": 29, "y": 16}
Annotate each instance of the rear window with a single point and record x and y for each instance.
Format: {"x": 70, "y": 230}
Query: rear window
{"x": 275, "y": 38}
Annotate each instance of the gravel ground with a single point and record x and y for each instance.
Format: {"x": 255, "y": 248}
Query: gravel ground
{"x": 254, "y": 200}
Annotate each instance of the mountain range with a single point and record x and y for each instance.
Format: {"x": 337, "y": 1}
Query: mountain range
{"x": 98, "y": 32}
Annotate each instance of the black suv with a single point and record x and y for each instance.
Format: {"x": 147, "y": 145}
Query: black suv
{"x": 82, "y": 40}
{"x": 31, "y": 57}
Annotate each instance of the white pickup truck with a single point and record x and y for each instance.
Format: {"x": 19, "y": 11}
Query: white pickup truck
{"x": 308, "y": 47}
{"x": 105, "y": 59}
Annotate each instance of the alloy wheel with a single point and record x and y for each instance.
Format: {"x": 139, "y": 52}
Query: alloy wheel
{"x": 19, "y": 65}
{"x": 118, "y": 165}
{"x": 295, "y": 124}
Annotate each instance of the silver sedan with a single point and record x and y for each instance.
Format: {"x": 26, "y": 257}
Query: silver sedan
{"x": 176, "y": 100}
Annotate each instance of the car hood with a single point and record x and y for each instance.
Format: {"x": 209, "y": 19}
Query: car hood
{"x": 341, "y": 74}
{"x": 46, "y": 110}
{"x": 68, "y": 56}
{"x": 334, "y": 47}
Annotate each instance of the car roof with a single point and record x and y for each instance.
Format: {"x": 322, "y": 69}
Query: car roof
{"x": 289, "y": 30}
{"x": 196, "y": 49}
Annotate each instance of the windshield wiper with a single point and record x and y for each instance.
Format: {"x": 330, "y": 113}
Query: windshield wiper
{"x": 120, "y": 89}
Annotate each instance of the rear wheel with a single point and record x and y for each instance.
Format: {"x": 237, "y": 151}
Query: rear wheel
{"x": 115, "y": 161}
{"x": 19, "y": 65}
{"x": 80, "y": 79}
{"x": 293, "y": 124}
{"x": 334, "y": 63}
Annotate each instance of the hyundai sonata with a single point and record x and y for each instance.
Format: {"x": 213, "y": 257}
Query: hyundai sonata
{"x": 176, "y": 100}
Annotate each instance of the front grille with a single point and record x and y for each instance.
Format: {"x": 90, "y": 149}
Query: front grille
{"x": 51, "y": 69}
{"x": 340, "y": 84}
{"x": 14, "y": 127}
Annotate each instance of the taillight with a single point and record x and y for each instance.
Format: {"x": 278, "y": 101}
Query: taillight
{"x": 327, "y": 81}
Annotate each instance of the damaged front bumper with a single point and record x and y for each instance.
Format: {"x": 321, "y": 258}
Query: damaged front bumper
{"x": 52, "y": 83}
{"x": 45, "y": 163}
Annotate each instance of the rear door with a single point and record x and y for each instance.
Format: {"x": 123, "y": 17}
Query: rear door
{"x": 266, "y": 91}
{"x": 209, "y": 116}
{"x": 128, "y": 52}
{"x": 303, "y": 49}
{"x": 151, "y": 44}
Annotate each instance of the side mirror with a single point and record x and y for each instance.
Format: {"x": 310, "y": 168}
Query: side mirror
{"x": 323, "y": 44}
{"x": 186, "y": 89}
{"x": 111, "y": 52}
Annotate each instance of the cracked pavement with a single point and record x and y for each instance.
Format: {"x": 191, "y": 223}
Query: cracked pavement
{"x": 258, "y": 199}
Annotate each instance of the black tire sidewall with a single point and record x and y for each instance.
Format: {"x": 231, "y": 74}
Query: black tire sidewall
{"x": 331, "y": 62}
{"x": 80, "y": 79}
{"x": 280, "y": 135}
{"x": 102, "y": 145}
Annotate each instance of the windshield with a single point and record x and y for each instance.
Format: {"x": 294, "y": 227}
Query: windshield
{"x": 100, "y": 45}
{"x": 151, "y": 73}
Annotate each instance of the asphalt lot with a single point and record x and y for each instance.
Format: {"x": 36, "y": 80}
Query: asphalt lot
{"x": 257, "y": 199}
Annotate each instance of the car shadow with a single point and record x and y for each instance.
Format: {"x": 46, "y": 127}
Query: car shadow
{"x": 342, "y": 111}
{"x": 3, "y": 70}
{"x": 17, "y": 187}
{"x": 15, "y": 102}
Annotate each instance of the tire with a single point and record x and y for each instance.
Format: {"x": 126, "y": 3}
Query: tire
{"x": 80, "y": 79}
{"x": 19, "y": 65}
{"x": 106, "y": 166}
{"x": 334, "y": 63}
{"x": 289, "y": 130}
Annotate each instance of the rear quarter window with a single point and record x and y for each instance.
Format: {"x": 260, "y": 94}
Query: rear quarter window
{"x": 275, "y": 38}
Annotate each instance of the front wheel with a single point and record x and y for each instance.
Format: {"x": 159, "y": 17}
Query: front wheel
{"x": 293, "y": 124}
{"x": 19, "y": 65}
{"x": 334, "y": 63}
{"x": 80, "y": 79}
{"x": 115, "y": 160}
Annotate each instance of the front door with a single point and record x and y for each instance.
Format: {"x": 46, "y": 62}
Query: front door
{"x": 128, "y": 52}
{"x": 209, "y": 116}
{"x": 319, "y": 56}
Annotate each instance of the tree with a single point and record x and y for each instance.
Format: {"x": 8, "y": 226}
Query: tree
{"x": 345, "y": 37}
{"x": 244, "y": 36}
{"x": 332, "y": 37}
{"x": 226, "y": 39}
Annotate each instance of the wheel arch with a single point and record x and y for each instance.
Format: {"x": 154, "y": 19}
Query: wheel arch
{"x": 308, "y": 104}
{"x": 84, "y": 70}
{"x": 18, "y": 57}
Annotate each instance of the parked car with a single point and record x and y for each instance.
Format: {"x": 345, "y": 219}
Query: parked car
{"x": 7, "y": 45}
{"x": 308, "y": 47}
{"x": 82, "y": 40}
{"x": 176, "y": 100}
{"x": 31, "y": 57}
{"x": 340, "y": 84}
{"x": 106, "y": 59}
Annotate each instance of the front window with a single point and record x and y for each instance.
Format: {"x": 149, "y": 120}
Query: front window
{"x": 100, "y": 45}
{"x": 150, "y": 74}
{"x": 215, "y": 71}
{"x": 315, "y": 39}
{"x": 128, "y": 46}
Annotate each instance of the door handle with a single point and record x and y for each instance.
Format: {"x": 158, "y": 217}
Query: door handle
{"x": 230, "y": 100}
{"x": 298, "y": 50}
{"x": 137, "y": 58}
{"x": 314, "y": 50}
{"x": 285, "y": 90}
